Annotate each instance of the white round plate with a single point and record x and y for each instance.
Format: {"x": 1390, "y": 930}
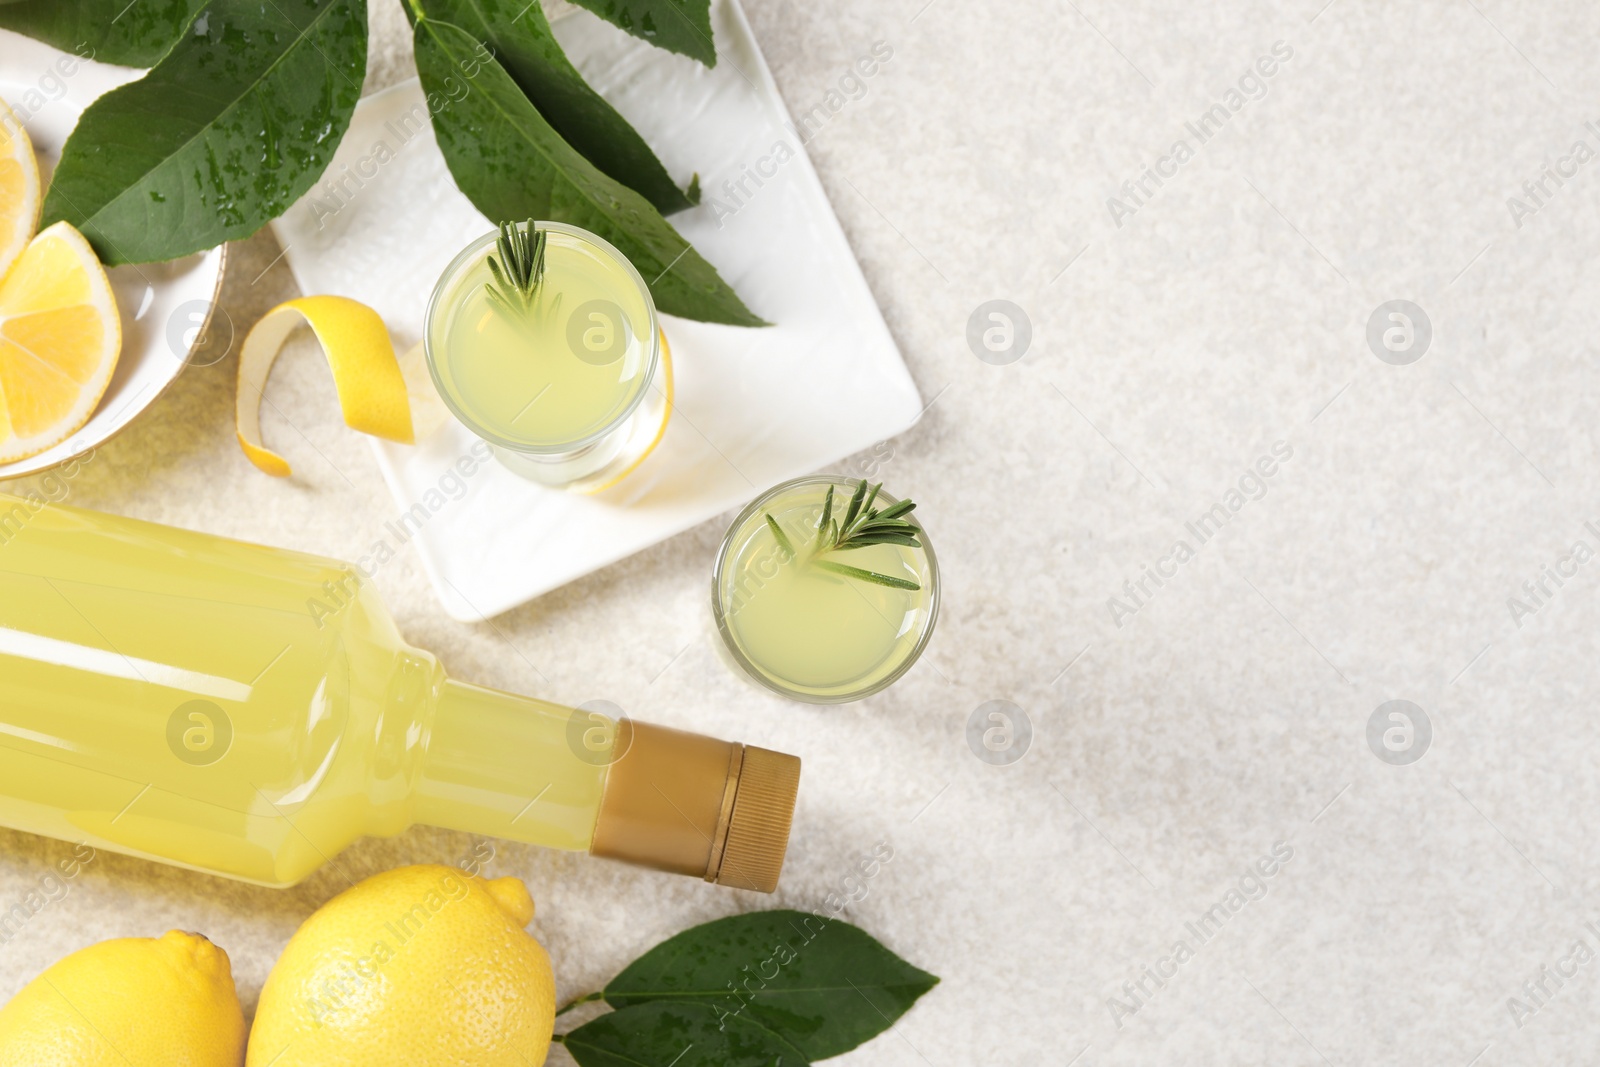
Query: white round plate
{"x": 165, "y": 307}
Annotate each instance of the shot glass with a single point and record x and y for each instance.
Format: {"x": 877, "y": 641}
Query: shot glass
{"x": 565, "y": 380}
{"x": 795, "y": 620}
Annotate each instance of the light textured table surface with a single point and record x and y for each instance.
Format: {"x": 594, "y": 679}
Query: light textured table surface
{"x": 1180, "y": 735}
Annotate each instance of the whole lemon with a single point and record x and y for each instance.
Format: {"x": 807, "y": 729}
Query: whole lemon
{"x": 424, "y": 966}
{"x": 139, "y": 1001}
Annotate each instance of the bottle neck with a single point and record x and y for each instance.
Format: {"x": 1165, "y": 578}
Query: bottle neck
{"x": 514, "y": 767}
{"x": 508, "y": 766}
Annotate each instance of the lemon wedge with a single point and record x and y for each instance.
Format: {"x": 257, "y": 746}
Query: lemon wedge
{"x": 19, "y": 188}
{"x": 59, "y": 339}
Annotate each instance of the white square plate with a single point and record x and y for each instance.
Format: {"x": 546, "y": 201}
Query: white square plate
{"x": 754, "y": 406}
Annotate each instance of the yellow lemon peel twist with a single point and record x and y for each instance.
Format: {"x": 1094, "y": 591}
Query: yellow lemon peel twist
{"x": 366, "y": 374}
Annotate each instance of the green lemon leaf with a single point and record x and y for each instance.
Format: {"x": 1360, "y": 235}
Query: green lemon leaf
{"x": 682, "y": 26}
{"x": 512, "y": 165}
{"x": 678, "y": 1035}
{"x": 520, "y": 35}
{"x": 230, "y": 128}
{"x": 112, "y": 31}
{"x": 825, "y": 986}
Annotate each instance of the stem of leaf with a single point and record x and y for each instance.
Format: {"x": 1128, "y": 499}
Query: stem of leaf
{"x": 587, "y": 998}
{"x": 416, "y": 7}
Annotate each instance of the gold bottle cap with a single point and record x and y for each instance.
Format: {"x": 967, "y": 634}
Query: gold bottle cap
{"x": 758, "y": 825}
{"x": 690, "y": 804}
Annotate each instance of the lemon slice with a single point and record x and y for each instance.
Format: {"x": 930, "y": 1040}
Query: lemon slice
{"x": 19, "y": 188}
{"x": 59, "y": 339}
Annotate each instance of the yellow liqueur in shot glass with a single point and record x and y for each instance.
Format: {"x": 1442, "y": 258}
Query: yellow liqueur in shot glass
{"x": 542, "y": 339}
{"x": 825, "y": 590}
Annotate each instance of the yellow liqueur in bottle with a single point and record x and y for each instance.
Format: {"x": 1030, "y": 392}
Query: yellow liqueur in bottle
{"x": 185, "y": 698}
{"x": 818, "y": 623}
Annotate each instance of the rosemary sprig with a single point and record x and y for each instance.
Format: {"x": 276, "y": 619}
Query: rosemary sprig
{"x": 520, "y": 269}
{"x": 861, "y": 526}
{"x": 781, "y": 537}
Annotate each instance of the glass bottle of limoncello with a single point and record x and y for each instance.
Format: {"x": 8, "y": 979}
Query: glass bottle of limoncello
{"x": 250, "y": 712}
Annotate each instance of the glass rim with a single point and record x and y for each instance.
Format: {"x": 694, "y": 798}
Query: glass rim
{"x": 472, "y": 251}
{"x": 755, "y": 674}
